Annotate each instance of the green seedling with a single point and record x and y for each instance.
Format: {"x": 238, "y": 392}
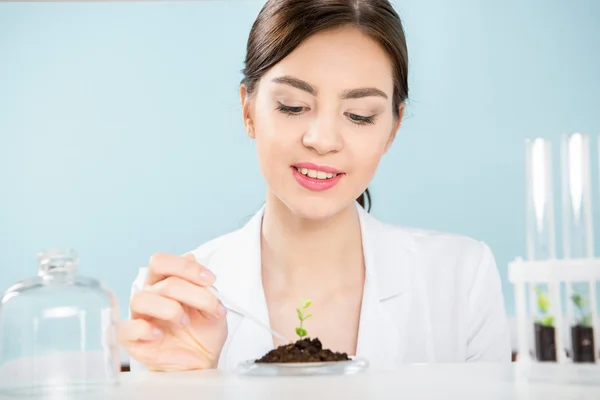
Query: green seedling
{"x": 300, "y": 330}
{"x": 580, "y": 304}
{"x": 544, "y": 307}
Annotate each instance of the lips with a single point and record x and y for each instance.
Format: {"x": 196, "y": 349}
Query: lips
{"x": 316, "y": 178}
{"x": 317, "y": 168}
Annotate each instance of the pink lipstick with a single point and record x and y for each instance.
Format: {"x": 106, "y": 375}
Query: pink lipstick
{"x": 316, "y": 177}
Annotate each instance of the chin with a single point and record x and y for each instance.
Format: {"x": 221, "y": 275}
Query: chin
{"x": 314, "y": 208}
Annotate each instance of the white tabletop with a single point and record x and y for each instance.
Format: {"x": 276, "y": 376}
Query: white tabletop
{"x": 442, "y": 381}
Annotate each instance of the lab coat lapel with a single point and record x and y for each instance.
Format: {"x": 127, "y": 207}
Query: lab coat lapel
{"x": 385, "y": 319}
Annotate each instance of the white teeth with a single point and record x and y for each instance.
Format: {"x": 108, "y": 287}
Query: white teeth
{"x": 313, "y": 173}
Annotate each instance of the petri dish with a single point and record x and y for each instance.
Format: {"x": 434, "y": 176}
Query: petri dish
{"x": 353, "y": 366}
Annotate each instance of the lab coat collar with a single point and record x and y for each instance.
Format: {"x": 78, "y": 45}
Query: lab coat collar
{"x": 387, "y": 256}
{"x": 386, "y": 261}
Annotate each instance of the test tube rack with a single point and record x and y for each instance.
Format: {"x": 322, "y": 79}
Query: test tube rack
{"x": 523, "y": 274}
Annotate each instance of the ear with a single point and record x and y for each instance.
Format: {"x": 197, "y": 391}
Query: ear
{"x": 247, "y": 111}
{"x": 396, "y": 127}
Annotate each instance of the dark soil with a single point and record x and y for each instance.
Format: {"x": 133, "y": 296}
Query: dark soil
{"x": 582, "y": 339}
{"x": 545, "y": 344}
{"x": 304, "y": 350}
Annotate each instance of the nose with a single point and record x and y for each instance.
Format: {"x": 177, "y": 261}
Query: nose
{"x": 323, "y": 136}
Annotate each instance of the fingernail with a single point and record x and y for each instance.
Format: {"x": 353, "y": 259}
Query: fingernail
{"x": 156, "y": 332}
{"x": 185, "y": 321}
{"x": 221, "y": 311}
{"x": 207, "y": 276}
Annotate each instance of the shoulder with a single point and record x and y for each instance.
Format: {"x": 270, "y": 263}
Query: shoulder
{"x": 451, "y": 264}
{"x": 433, "y": 247}
{"x": 454, "y": 264}
{"x": 452, "y": 246}
{"x": 446, "y": 260}
{"x": 448, "y": 257}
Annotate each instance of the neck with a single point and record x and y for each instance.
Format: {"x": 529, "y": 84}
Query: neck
{"x": 304, "y": 252}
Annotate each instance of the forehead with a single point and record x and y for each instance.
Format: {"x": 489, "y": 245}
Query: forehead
{"x": 338, "y": 60}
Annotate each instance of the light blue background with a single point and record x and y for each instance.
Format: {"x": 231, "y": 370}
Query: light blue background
{"x": 121, "y": 135}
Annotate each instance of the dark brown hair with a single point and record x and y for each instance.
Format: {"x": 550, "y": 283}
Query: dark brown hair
{"x": 282, "y": 25}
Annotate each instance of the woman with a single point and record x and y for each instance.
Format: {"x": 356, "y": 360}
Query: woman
{"x": 323, "y": 96}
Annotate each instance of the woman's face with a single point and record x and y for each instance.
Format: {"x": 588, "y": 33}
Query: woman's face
{"x": 322, "y": 118}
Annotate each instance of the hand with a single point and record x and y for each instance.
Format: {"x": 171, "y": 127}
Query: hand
{"x": 176, "y": 324}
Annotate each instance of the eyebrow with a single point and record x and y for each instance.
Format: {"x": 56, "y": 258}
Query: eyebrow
{"x": 348, "y": 94}
{"x": 363, "y": 92}
{"x": 297, "y": 83}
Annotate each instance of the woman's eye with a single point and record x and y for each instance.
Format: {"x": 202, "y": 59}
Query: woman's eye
{"x": 288, "y": 109}
{"x": 361, "y": 120}
{"x": 355, "y": 118}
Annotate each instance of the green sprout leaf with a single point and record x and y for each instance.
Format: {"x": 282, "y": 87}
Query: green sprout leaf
{"x": 578, "y": 300}
{"x": 301, "y": 332}
{"x": 543, "y": 303}
{"x": 580, "y": 303}
{"x": 587, "y": 320}
{"x": 548, "y": 321}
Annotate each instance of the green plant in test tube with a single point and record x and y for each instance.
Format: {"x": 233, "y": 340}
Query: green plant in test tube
{"x": 580, "y": 303}
{"x": 543, "y": 304}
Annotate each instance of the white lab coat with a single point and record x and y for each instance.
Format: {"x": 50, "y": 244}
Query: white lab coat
{"x": 428, "y": 297}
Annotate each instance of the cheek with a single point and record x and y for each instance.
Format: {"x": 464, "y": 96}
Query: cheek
{"x": 367, "y": 163}
{"x": 367, "y": 151}
{"x": 275, "y": 133}
{"x": 276, "y": 138}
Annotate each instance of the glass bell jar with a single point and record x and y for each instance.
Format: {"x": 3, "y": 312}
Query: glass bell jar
{"x": 58, "y": 331}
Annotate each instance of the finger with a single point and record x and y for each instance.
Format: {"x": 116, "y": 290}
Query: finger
{"x": 191, "y": 295}
{"x": 190, "y": 257}
{"x": 138, "y": 329}
{"x": 163, "y": 265}
{"x": 150, "y": 304}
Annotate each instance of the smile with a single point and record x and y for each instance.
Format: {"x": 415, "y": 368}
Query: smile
{"x": 315, "y": 174}
{"x": 316, "y": 178}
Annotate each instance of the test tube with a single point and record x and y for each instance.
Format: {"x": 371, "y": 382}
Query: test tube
{"x": 578, "y": 242}
{"x": 541, "y": 245}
